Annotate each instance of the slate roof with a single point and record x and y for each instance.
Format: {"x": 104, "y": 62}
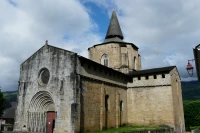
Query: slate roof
{"x": 152, "y": 71}
{"x": 10, "y": 112}
{"x": 93, "y": 63}
{"x": 114, "y": 32}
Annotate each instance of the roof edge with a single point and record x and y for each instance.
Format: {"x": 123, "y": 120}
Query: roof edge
{"x": 114, "y": 42}
{"x": 43, "y": 47}
{"x": 152, "y": 71}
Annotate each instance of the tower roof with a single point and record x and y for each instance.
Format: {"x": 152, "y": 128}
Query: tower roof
{"x": 114, "y": 32}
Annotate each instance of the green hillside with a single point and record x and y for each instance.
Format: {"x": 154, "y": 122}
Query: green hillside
{"x": 191, "y": 90}
{"x": 11, "y": 96}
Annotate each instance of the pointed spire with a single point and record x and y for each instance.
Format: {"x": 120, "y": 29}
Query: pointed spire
{"x": 114, "y": 31}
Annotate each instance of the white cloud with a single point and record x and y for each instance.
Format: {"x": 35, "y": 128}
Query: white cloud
{"x": 165, "y": 31}
{"x": 25, "y": 25}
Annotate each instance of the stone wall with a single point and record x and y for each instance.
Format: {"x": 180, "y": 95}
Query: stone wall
{"x": 95, "y": 116}
{"x": 177, "y": 102}
{"x": 58, "y": 91}
{"x": 121, "y": 56}
{"x": 150, "y": 101}
{"x": 103, "y": 97}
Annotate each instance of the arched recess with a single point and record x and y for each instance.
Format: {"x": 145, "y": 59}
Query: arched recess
{"x": 105, "y": 60}
{"x": 40, "y": 104}
{"x": 120, "y": 112}
{"x": 106, "y": 110}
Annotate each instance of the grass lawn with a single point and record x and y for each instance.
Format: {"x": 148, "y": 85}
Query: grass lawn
{"x": 127, "y": 129}
{"x": 194, "y": 127}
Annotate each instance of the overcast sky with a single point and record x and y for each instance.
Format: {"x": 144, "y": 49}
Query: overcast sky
{"x": 165, "y": 31}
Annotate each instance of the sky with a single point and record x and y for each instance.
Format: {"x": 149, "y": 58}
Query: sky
{"x": 165, "y": 31}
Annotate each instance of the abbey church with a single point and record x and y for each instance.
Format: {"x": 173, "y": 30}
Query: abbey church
{"x": 62, "y": 92}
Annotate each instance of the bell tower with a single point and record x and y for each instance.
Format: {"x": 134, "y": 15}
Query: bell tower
{"x": 114, "y": 52}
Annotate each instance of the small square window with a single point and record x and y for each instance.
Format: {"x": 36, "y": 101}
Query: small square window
{"x": 139, "y": 78}
{"x": 146, "y": 77}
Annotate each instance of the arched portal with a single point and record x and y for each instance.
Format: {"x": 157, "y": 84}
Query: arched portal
{"x": 41, "y": 107}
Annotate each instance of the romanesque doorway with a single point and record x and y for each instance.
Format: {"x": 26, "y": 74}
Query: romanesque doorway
{"x": 41, "y": 113}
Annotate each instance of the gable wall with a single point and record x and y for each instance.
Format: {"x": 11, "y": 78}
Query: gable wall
{"x": 60, "y": 64}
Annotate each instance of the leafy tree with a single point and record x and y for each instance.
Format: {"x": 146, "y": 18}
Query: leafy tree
{"x": 2, "y": 103}
{"x": 192, "y": 113}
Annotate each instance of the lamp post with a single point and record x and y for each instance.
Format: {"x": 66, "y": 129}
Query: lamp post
{"x": 190, "y": 68}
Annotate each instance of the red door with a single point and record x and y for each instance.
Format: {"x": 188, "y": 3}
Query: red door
{"x": 50, "y": 121}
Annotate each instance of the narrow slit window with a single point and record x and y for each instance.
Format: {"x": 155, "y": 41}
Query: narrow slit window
{"x": 121, "y": 105}
{"x": 106, "y": 102}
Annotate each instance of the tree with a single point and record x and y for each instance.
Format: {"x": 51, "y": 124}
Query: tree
{"x": 2, "y": 103}
{"x": 192, "y": 113}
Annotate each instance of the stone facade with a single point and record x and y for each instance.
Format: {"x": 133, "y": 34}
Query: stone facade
{"x": 122, "y": 57}
{"x": 104, "y": 97}
{"x": 156, "y": 100}
{"x": 62, "y": 92}
{"x": 35, "y": 98}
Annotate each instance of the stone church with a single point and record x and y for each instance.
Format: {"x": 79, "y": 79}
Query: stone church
{"x": 62, "y": 92}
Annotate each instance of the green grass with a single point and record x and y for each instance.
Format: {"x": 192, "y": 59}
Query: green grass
{"x": 127, "y": 129}
{"x": 194, "y": 127}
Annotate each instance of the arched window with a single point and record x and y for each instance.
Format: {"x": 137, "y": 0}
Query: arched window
{"x": 104, "y": 60}
{"x": 135, "y": 65}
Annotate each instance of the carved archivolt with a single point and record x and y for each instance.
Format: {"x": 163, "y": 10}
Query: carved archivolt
{"x": 39, "y": 105}
{"x": 42, "y": 101}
